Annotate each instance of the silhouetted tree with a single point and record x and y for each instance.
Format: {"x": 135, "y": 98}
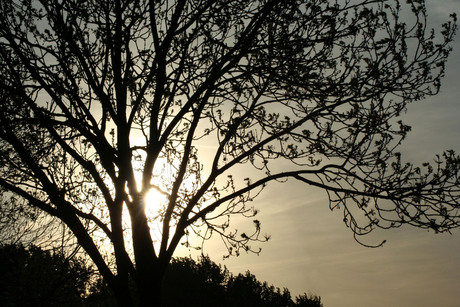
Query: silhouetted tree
{"x": 103, "y": 101}
{"x": 34, "y": 277}
{"x": 205, "y": 283}
{"x": 246, "y": 290}
{"x": 188, "y": 282}
{"x": 305, "y": 300}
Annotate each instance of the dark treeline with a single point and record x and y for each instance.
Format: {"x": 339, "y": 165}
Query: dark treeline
{"x": 34, "y": 277}
{"x": 205, "y": 283}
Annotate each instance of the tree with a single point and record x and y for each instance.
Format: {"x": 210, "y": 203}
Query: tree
{"x": 195, "y": 283}
{"x": 105, "y": 101}
{"x": 34, "y": 277}
{"x": 306, "y": 300}
{"x": 246, "y": 290}
{"x": 204, "y": 283}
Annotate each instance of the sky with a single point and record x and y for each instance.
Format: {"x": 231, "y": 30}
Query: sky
{"x": 311, "y": 250}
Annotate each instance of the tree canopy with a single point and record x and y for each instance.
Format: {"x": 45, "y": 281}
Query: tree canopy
{"x": 34, "y": 277}
{"x": 205, "y": 283}
{"x": 207, "y": 103}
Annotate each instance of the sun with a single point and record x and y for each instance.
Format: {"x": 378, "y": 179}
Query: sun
{"x": 153, "y": 196}
{"x": 154, "y": 202}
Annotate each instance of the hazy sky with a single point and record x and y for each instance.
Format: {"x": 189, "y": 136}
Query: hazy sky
{"x": 311, "y": 249}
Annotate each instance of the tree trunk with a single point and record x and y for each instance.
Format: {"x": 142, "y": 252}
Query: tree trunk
{"x": 150, "y": 293}
{"x": 123, "y": 295}
{"x": 149, "y": 268}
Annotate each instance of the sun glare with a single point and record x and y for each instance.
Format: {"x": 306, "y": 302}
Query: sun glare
{"x": 154, "y": 202}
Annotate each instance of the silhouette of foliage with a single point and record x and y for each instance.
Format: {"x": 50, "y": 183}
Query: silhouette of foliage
{"x": 195, "y": 283}
{"x": 205, "y": 283}
{"x": 34, "y": 277}
{"x": 306, "y": 300}
{"x": 246, "y": 290}
{"x": 207, "y": 103}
